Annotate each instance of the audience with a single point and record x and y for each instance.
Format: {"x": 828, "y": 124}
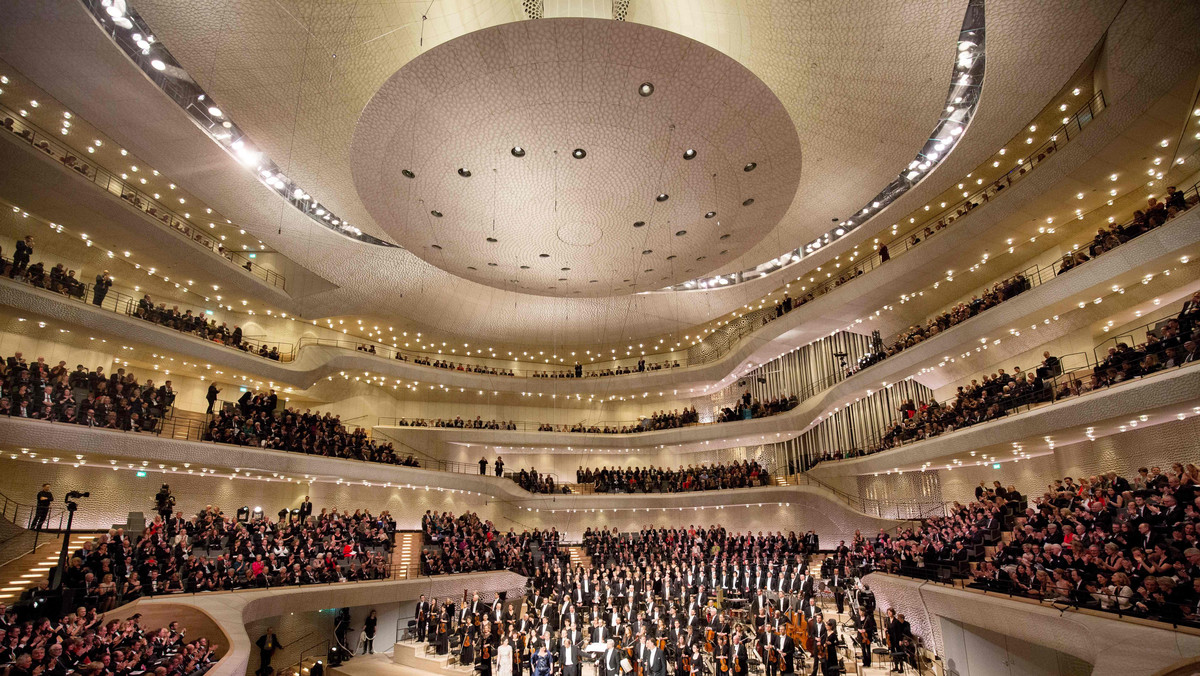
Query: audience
{"x": 1105, "y": 542}
{"x": 744, "y": 474}
{"x": 117, "y": 401}
{"x": 255, "y": 422}
{"x": 466, "y": 543}
{"x": 83, "y": 643}
{"x": 1173, "y": 343}
{"x": 534, "y": 482}
{"x": 210, "y": 551}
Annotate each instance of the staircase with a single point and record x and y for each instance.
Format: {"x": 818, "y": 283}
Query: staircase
{"x": 406, "y": 558}
{"x": 304, "y": 667}
{"x": 424, "y": 657}
{"x": 28, "y": 570}
{"x": 184, "y": 425}
{"x": 579, "y": 556}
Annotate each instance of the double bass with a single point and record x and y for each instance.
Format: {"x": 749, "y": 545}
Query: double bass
{"x": 797, "y": 630}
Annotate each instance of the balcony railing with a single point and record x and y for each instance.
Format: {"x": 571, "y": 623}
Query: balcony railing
{"x": 22, "y": 129}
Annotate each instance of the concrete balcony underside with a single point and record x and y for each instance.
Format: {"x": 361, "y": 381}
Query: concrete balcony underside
{"x": 1113, "y": 646}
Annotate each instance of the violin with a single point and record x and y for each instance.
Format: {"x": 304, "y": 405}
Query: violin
{"x": 722, "y": 664}
{"x": 687, "y": 663}
{"x": 709, "y": 637}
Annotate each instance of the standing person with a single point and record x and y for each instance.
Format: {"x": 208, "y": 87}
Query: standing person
{"x": 306, "y": 508}
{"x": 865, "y": 630}
{"x": 656, "y": 663}
{"x": 542, "y": 661}
{"x": 21, "y": 256}
{"x": 499, "y": 466}
{"x": 569, "y": 654}
{"x": 422, "y": 613}
{"x": 42, "y": 510}
{"x": 369, "y": 626}
{"x": 211, "y": 397}
{"x": 100, "y": 290}
{"x": 267, "y": 645}
{"x": 884, "y": 255}
{"x": 504, "y": 658}
{"x": 164, "y": 502}
{"x": 482, "y": 466}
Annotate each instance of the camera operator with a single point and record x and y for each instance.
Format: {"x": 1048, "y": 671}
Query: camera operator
{"x": 164, "y": 502}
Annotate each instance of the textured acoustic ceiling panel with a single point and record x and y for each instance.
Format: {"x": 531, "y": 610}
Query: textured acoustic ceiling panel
{"x": 862, "y": 82}
{"x": 569, "y": 156}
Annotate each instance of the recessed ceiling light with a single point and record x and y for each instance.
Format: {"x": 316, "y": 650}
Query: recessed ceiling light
{"x": 579, "y": 153}
{"x": 158, "y": 65}
{"x": 566, "y": 269}
{"x": 671, "y": 258}
{"x": 748, "y": 202}
{"x": 701, "y": 258}
{"x": 710, "y": 214}
{"x": 750, "y": 167}
{"x": 662, "y": 197}
{"x": 465, "y": 173}
{"x": 726, "y": 236}
{"x": 437, "y": 247}
{"x": 518, "y": 151}
{"x": 689, "y": 154}
{"x": 436, "y": 213}
{"x": 638, "y": 224}
{"x": 647, "y": 251}
{"x": 680, "y": 233}
{"x": 472, "y": 267}
{"x": 215, "y": 111}
{"x": 492, "y": 265}
{"x": 543, "y": 255}
{"x": 524, "y": 267}
{"x": 493, "y": 240}
{"x": 646, "y": 89}
{"x": 407, "y": 173}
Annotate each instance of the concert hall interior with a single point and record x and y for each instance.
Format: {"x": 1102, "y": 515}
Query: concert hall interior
{"x": 599, "y": 337}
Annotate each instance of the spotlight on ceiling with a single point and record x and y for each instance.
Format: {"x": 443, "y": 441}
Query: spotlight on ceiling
{"x": 662, "y": 197}
{"x": 465, "y": 173}
{"x": 493, "y": 240}
{"x": 646, "y": 89}
{"x": 710, "y": 214}
{"x": 436, "y": 213}
{"x": 579, "y": 153}
{"x": 748, "y": 202}
{"x": 518, "y": 151}
{"x": 638, "y": 224}
{"x": 750, "y": 167}
{"x": 407, "y": 173}
{"x": 689, "y": 154}
{"x": 680, "y": 233}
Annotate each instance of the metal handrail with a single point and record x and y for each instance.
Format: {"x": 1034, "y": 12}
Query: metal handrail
{"x": 102, "y": 178}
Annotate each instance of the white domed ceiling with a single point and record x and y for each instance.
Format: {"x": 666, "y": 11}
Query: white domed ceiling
{"x": 576, "y": 156}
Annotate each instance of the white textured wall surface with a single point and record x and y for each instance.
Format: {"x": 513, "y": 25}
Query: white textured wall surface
{"x": 1114, "y": 647}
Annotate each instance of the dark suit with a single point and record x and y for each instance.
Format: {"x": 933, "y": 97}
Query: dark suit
{"x": 569, "y": 657}
{"x": 267, "y": 645}
{"x": 656, "y": 663}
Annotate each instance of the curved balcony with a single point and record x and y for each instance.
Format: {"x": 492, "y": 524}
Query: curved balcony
{"x": 1112, "y": 646}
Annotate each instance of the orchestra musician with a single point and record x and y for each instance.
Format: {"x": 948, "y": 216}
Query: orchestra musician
{"x": 569, "y": 655}
{"x": 739, "y": 658}
{"x": 422, "y": 618}
{"x": 443, "y": 629}
{"x": 864, "y": 631}
{"x": 825, "y": 661}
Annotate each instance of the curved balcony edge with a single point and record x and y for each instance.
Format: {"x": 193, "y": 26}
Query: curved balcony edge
{"x": 1112, "y": 645}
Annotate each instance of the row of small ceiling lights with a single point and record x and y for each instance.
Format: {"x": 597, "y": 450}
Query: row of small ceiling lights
{"x": 985, "y": 343}
{"x": 381, "y": 381}
{"x": 142, "y": 178}
{"x": 202, "y": 372}
{"x": 491, "y": 353}
{"x": 144, "y": 466}
{"x": 1018, "y": 449}
{"x": 139, "y": 44}
{"x": 1079, "y": 214}
{"x": 965, "y": 81}
{"x": 433, "y": 347}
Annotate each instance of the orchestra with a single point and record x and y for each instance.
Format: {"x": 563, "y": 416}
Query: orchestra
{"x": 649, "y": 619}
